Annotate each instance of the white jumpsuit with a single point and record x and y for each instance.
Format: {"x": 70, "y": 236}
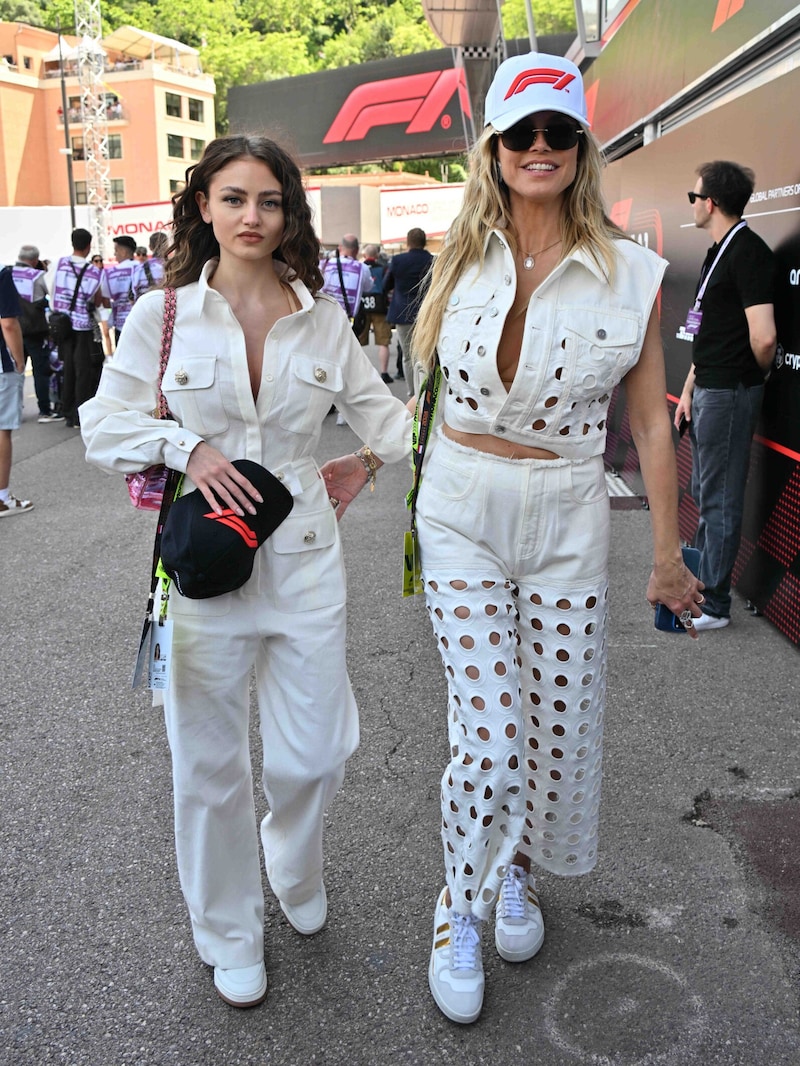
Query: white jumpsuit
{"x": 287, "y": 621}
{"x": 514, "y": 562}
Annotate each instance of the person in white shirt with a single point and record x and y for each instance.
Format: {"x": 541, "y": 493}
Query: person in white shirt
{"x": 258, "y": 356}
{"x": 537, "y": 307}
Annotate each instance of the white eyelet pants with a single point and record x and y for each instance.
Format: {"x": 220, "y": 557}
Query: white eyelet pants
{"x": 514, "y": 560}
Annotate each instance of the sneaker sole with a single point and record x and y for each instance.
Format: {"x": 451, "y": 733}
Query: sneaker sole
{"x": 448, "y": 1012}
{"x": 241, "y": 1005}
{"x": 518, "y": 956}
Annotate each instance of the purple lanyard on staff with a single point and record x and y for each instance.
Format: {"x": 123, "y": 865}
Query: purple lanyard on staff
{"x": 694, "y": 317}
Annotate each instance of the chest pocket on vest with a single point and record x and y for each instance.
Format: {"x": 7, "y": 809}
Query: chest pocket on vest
{"x": 189, "y": 389}
{"x": 605, "y": 345}
{"x": 469, "y": 313}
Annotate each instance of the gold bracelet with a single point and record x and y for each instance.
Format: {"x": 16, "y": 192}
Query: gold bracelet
{"x": 368, "y": 461}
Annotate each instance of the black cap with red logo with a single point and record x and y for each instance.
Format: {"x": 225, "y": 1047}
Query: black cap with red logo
{"x": 207, "y": 554}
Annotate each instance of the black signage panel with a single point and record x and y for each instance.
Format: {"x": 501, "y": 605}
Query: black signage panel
{"x": 665, "y": 45}
{"x": 646, "y": 191}
{"x": 390, "y": 109}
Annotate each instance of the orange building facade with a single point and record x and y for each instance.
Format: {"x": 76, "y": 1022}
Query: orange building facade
{"x": 159, "y": 109}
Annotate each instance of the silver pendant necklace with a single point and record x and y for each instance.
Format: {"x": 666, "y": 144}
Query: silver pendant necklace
{"x": 529, "y": 262}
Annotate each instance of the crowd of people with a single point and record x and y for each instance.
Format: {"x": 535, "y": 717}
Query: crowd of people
{"x": 535, "y": 309}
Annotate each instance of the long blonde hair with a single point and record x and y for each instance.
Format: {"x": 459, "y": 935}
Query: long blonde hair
{"x": 486, "y": 207}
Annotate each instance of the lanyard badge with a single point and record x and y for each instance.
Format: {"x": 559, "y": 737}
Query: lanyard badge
{"x": 691, "y": 326}
{"x": 694, "y": 317}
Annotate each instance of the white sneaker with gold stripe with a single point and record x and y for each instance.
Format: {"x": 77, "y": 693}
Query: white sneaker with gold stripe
{"x": 519, "y": 928}
{"x": 455, "y": 974}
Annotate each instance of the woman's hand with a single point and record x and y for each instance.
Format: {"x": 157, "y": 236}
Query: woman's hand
{"x": 674, "y": 585}
{"x": 344, "y": 478}
{"x": 212, "y": 473}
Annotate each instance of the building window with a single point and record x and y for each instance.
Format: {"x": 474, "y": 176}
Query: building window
{"x": 77, "y": 148}
{"x": 81, "y": 196}
{"x": 173, "y": 105}
{"x": 174, "y": 146}
{"x": 117, "y": 191}
{"x": 115, "y": 146}
{"x": 195, "y": 110}
{"x": 26, "y": 62}
{"x": 196, "y": 148}
{"x": 176, "y": 185}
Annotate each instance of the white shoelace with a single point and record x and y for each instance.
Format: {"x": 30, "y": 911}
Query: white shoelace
{"x": 465, "y": 942}
{"x": 514, "y": 893}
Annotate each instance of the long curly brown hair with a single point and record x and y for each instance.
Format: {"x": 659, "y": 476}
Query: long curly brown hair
{"x": 193, "y": 240}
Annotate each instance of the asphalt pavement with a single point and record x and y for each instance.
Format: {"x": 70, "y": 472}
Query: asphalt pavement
{"x": 682, "y": 947}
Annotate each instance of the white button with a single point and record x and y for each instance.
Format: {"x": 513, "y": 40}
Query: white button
{"x": 481, "y": 350}
{"x": 484, "y": 392}
{"x": 181, "y": 377}
{"x": 455, "y": 300}
{"x": 181, "y": 443}
{"x": 310, "y": 537}
{"x": 280, "y": 476}
{"x": 493, "y": 312}
{"x": 269, "y": 377}
{"x": 507, "y": 279}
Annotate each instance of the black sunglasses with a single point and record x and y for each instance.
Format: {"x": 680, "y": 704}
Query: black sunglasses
{"x": 559, "y": 136}
{"x": 701, "y": 196}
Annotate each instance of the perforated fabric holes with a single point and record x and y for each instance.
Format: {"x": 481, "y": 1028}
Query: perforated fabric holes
{"x": 521, "y": 749}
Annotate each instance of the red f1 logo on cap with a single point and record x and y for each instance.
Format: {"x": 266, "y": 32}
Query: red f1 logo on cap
{"x": 418, "y": 99}
{"x": 559, "y": 79}
{"x": 237, "y": 524}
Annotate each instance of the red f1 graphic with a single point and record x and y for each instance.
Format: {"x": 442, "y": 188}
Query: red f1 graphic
{"x": 237, "y": 524}
{"x": 418, "y": 99}
{"x": 559, "y": 79}
{"x": 726, "y": 9}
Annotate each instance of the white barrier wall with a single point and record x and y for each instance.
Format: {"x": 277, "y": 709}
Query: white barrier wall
{"x": 49, "y": 228}
{"x": 430, "y": 207}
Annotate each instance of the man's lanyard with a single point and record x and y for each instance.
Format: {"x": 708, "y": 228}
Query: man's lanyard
{"x": 720, "y": 252}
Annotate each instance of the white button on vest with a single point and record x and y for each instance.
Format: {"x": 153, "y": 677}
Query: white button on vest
{"x": 310, "y": 537}
{"x": 181, "y": 377}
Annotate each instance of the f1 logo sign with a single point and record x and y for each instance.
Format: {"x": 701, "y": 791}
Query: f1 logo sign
{"x": 559, "y": 79}
{"x": 418, "y": 99}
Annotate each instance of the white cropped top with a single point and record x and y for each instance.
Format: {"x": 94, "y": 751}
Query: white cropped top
{"x": 582, "y": 334}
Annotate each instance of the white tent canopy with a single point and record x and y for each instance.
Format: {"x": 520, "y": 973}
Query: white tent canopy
{"x": 141, "y": 44}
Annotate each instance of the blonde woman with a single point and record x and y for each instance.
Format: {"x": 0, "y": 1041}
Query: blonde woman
{"x": 538, "y": 307}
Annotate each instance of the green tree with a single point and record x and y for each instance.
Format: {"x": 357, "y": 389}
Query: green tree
{"x": 22, "y": 11}
{"x": 549, "y": 16}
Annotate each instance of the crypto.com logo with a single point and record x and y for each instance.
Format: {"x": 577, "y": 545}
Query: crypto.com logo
{"x": 559, "y": 79}
{"x": 418, "y": 99}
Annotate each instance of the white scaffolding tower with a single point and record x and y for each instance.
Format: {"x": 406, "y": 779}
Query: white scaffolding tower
{"x": 91, "y": 58}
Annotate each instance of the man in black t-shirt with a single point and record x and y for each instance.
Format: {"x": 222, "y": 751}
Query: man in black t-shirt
{"x": 733, "y": 326}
